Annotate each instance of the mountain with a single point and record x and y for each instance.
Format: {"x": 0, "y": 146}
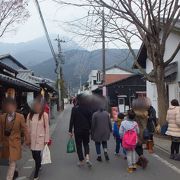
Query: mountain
{"x": 35, "y": 51}
{"x": 36, "y": 55}
{"x": 81, "y": 62}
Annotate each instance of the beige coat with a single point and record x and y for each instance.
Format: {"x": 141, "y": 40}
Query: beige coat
{"x": 173, "y": 119}
{"x": 12, "y": 145}
{"x": 39, "y": 131}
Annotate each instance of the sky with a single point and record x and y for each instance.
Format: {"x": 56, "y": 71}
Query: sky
{"x": 55, "y": 15}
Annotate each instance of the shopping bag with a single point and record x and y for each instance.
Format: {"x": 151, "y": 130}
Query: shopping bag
{"x": 71, "y": 146}
{"x": 46, "y": 156}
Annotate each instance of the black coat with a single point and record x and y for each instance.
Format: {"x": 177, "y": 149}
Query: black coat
{"x": 80, "y": 120}
{"x": 152, "y": 120}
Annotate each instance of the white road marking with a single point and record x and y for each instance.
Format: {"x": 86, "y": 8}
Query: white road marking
{"x": 20, "y": 178}
{"x": 167, "y": 163}
{"x": 27, "y": 167}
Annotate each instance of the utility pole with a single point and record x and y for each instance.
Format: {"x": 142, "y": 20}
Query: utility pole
{"x": 80, "y": 82}
{"x": 103, "y": 54}
{"x": 60, "y": 72}
{"x": 56, "y": 59}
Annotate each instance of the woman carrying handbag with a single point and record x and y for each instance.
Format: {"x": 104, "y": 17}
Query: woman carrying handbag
{"x": 38, "y": 124}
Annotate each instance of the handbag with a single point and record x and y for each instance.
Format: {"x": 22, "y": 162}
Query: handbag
{"x": 71, "y": 148}
{"x": 46, "y": 156}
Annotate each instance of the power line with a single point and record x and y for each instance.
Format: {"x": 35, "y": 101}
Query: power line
{"x": 46, "y": 32}
{"x": 56, "y": 59}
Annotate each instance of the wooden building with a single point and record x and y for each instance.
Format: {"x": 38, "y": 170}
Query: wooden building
{"x": 10, "y": 84}
{"x": 121, "y": 93}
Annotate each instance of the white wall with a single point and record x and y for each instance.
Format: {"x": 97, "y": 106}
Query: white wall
{"x": 92, "y": 77}
{"x": 171, "y": 44}
{"x": 173, "y": 91}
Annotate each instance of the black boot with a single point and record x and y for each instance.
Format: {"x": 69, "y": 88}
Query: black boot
{"x": 99, "y": 159}
{"x": 106, "y": 156}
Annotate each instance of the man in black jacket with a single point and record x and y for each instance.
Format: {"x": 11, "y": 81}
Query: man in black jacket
{"x": 81, "y": 123}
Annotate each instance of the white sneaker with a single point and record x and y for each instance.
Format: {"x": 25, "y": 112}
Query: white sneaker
{"x": 36, "y": 178}
{"x": 89, "y": 164}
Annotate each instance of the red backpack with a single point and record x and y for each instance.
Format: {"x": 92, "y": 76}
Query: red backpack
{"x": 130, "y": 139}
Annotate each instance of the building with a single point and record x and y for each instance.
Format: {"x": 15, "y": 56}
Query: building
{"x": 19, "y": 82}
{"x": 172, "y": 72}
{"x": 10, "y": 84}
{"x": 94, "y": 80}
{"x": 44, "y": 83}
{"x": 113, "y": 74}
{"x": 116, "y": 73}
{"x": 121, "y": 93}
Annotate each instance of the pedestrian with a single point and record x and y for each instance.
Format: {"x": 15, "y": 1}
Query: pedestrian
{"x": 12, "y": 124}
{"x": 38, "y": 124}
{"x": 129, "y": 131}
{"x": 151, "y": 127}
{"x": 116, "y": 134}
{"x": 101, "y": 130}
{"x": 140, "y": 107}
{"x": 80, "y": 122}
{"x": 173, "y": 119}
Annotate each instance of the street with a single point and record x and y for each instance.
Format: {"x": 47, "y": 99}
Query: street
{"x": 64, "y": 165}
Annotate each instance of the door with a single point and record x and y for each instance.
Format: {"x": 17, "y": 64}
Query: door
{"x": 121, "y": 104}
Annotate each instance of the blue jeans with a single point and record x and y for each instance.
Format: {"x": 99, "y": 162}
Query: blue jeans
{"x": 118, "y": 146}
{"x": 98, "y": 147}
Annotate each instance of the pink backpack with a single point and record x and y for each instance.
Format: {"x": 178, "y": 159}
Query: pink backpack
{"x": 130, "y": 139}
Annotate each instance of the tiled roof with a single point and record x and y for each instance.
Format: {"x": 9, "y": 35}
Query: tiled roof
{"x": 119, "y": 67}
{"x": 111, "y": 78}
{"x": 13, "y": 63}
{"x": 18, "y": 83}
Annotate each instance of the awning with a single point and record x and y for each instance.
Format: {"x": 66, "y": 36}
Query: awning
{"x": 48, "y": 87}
{"x": 16, "y": 83}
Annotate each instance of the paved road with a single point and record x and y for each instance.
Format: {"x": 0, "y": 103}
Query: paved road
{"x": 64, "y": 165}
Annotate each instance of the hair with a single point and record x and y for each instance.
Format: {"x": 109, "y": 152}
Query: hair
{"x": 121, "y": 116}
{"x": 131, "y": 114}
{"x": 37, "y": 100}
{"x": 9, "y": 100}
{"x": 174, "y": 102}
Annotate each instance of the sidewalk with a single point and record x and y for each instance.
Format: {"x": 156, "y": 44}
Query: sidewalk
{"x": 25, "y": 166}
{"x": 162, "y": 143}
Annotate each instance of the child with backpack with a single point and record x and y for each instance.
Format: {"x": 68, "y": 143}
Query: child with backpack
{"x": 116, "y": 134}
{"x": 129, "y": 131}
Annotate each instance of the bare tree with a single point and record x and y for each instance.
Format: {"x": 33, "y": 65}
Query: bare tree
{"x": 12, "y": 12}
{"x": 151, "y": 21}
